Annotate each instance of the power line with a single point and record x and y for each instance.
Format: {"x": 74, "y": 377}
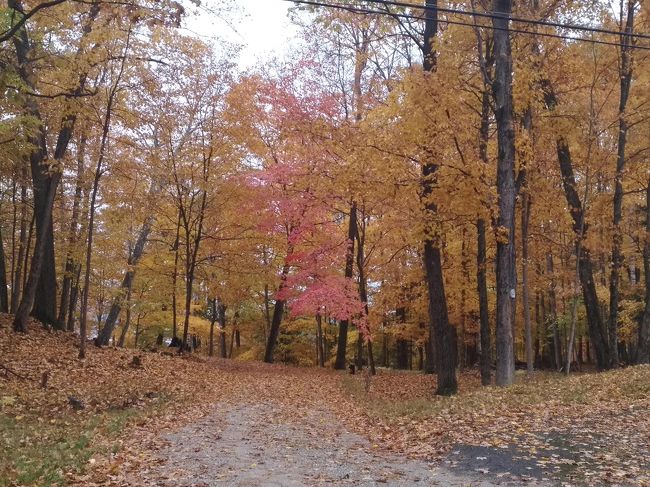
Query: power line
{"x": 366, "y": 11}
{"x": 500, "y": 15}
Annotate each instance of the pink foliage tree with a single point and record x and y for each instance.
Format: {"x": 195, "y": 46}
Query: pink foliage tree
{"x": 294, "y": 122}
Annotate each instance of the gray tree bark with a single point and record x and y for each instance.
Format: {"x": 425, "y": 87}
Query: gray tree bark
{"x": 617, "y": 237}
{"x": 38, "y": 296}
{"x": 442, "y": 335}
{"x": 506, "y": 272}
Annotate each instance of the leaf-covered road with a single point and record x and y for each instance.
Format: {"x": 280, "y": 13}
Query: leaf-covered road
{"x": 279, "y": 426}
{"x": 265, "y": 445}
{"x": 191, "y": 421}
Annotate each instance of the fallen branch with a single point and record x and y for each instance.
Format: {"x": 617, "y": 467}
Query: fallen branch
{"x": 42, "y": 381}
{"x": 9, "y": 371}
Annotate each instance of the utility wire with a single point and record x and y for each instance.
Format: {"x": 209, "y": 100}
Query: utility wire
{"x": 500, "y": 15}
{"x": 366, "y": 11}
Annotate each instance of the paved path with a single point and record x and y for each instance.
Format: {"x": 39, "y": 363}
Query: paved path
{"x": 258, "y": 445}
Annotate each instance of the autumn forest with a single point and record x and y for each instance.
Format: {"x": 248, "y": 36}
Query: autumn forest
{"x": 457, "y": 188}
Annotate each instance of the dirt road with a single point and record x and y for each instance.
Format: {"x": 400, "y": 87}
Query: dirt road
{"x": 263, "y": 445}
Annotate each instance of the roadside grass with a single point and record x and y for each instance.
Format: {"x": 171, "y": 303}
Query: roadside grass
{"x": 35, "y": 451}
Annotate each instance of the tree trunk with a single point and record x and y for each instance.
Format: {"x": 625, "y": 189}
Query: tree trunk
{"x": 29, "y": 293}
{"x": 175, "y": 282}
{"x": 278, "y": 312}
{"x": 4, "y": 295}
{"x": 371, "y": 358}
{"x": 213, "y": 318}
{"x": 643, "y": 345}
{"x": 14, "y": 226}
{"x": 341, "y": 349}
{"x": 127, "y": 320}
{"x": 76, "y": 290}
{"x": 93, "y": 200}
{"x": 189, "y": 283}
{"x": 442, "y": 336}
{"x": 232, "y": 342}
{"x": 363, "y": 293}
{"x": 574, "y": 312}
{"x": 192, "y": 247}
{"x": 70, "y": 263}
{"x": 74, "y": 296}
{"x": 506, "y": 273}
{"x": 526, "y": 206}
{"x": 462, "y": 345}
{"x": 401, "y": 345}
{"x": 320, "y": 352}
{"x": 401, "y": 354}
{"x": 538, "y": 335}
{"x": 44, "y": 309}
{"x": 486, "y": 62}
{"x": 45, "y": 184}
{"x": 359, "y": 354}
{"x": 22, "y": 248}
{"x": 481, "y": 257}
{"x": 100, "y": 301}
{"x": 127, "y": 282}
{"x": 267, "y": 312}
{"x": 223, "y": 352}
{"x": 39, "y": 297}
{"x": 89, "y": 245}
{"x": 528, "y": 327}
{"x": 28, "y": 252}
{"x": 552, "y": 303}
{"x": 274, "y": 331}
{"x": 617, "y": 237}
{"x": 138, "y": 331}
{"x": 597, "y": 332}
{"x": 484, "y": 317}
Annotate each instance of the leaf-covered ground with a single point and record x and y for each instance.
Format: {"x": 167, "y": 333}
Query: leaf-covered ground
{"x": 588, "y": 429}
{"x": 109, "y": 421}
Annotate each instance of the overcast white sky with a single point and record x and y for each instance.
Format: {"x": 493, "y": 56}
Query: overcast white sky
{"x": 260, "y": 26}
